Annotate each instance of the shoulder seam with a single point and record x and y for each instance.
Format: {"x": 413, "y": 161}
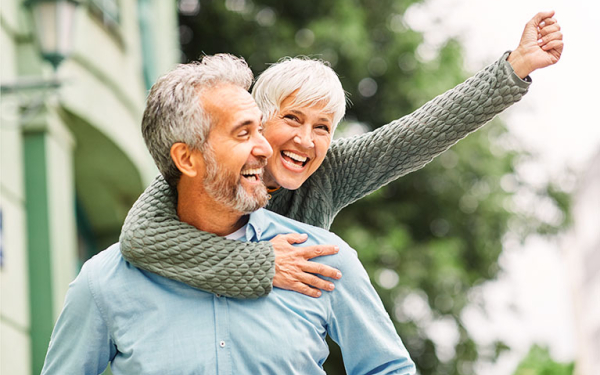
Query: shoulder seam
{"x": 95, "y": 298}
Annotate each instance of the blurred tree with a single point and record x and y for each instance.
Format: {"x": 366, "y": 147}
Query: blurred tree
{"x": 431, "y": 236}
{"x": 539, "y": 362}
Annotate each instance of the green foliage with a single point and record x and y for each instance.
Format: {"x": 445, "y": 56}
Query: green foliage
{"x": 438, "y": 230}
{"x": 539, "y": 362}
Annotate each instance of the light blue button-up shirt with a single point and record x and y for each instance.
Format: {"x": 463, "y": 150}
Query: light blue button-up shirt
{"x": 143, "y": 323}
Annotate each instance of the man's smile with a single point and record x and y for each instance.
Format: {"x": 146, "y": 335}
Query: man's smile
{"x": 252, "y": 174}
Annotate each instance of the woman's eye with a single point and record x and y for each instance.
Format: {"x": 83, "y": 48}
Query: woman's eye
{"x": 291, "y": 117}
{"x": 244, "y": 133}
{"x": 323, "y": 127}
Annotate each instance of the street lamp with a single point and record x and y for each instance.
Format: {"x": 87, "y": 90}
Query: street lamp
{"x": 53, "y": 24}
{"x": 53, "y": 27}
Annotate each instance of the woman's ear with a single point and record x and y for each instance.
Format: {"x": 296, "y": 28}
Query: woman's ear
{"x": 187, "y": 160}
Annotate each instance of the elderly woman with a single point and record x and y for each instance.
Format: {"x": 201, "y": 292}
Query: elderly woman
{"x": 311, "y": 179}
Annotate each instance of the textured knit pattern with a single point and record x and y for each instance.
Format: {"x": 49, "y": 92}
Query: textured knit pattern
{"x": 231, "y": 268}
{"x": 155, "y": 240}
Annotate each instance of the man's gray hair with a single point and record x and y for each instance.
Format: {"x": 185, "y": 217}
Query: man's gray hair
{"x": 174, "y": 110}
{"x": 314, "y": 79}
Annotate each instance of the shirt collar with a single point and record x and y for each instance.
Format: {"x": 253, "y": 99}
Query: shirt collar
{"x": 257, "y": 223}
{"x": 238, "y": 234}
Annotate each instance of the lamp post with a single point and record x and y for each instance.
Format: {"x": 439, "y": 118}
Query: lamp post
{"x": 53, "y": 24}
{"x": 43, "y": 165}
{"x": 53, "y": 29}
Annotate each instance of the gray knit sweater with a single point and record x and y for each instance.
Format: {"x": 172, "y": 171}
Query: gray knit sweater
{"x": 154, "y": 239}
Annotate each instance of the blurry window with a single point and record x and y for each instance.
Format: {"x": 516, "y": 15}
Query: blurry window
{"x": 107, "y": 11}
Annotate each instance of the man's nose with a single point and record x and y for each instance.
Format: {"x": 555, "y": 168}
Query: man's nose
{"x": 262, "y": 147}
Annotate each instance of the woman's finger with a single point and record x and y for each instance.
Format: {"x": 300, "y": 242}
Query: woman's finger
{"x": 310, "y": 252}
{"x": 555, "y": 44}
{"x": 557, "y": 35}
{"x": 316, "y": 282}
{"x": 321, "y": 269}
{"x": 549, "y": 29}
{"x": 547, "y": 22}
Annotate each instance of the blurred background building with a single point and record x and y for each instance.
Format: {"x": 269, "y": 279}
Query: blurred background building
{"x": 583, "y": 253}
{"x": 72, "y": 157}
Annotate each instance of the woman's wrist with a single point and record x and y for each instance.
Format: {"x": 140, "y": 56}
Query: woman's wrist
{"x": 519, "y": 64}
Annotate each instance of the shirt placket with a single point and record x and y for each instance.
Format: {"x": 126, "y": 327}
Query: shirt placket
{"x": 222, "y": 338}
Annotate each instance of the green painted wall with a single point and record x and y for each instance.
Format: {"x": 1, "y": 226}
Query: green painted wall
{"x": 38, "y": 234}
{"x": 83, "y": 144}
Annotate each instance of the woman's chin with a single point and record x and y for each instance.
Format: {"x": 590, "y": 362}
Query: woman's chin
{"x": 290, "y": 184}
{"x": 276, "y": 179}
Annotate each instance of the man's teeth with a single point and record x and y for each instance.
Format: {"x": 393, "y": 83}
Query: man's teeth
{"x": 252, "y": 174}
{"x": 295, "y": 157}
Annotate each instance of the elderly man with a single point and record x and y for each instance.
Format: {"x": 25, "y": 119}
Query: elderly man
{"x": 204, "y": 131}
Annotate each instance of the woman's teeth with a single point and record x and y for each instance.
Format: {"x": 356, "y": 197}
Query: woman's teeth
{"x": 295, "y": 158}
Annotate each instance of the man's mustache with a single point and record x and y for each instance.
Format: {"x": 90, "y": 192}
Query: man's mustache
{"x": 260, "y": 162}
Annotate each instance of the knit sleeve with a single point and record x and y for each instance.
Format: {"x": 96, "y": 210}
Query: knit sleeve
{"x": 155, "y": 240}
{"x": 360, "y": 165}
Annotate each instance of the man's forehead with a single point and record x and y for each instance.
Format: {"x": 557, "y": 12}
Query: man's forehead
{"x": 224, "y": 94}
{"x": 229, "y": 105}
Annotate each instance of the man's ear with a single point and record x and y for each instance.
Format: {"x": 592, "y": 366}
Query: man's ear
{"x": 186, "y": 159}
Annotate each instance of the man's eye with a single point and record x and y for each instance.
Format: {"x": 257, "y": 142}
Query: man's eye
{"x": 244, "y": 133}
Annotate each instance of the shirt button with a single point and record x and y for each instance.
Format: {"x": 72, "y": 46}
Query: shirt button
{"x": 222, "y": 344}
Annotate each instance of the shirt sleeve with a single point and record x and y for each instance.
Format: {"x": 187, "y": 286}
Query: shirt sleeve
{"x": 80, "y": 342}
{"x": 361, "y": 326}
{"x": 154, "y": 239}
{"x": 360, "y": 165}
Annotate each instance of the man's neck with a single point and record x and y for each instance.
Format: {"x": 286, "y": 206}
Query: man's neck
{"x": 201, "y": 211}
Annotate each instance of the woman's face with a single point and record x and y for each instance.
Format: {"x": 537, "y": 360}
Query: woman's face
{"x": 300, "y": 137}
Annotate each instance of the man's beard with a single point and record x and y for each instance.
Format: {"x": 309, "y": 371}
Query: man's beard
{"x": 226, "y": 187}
